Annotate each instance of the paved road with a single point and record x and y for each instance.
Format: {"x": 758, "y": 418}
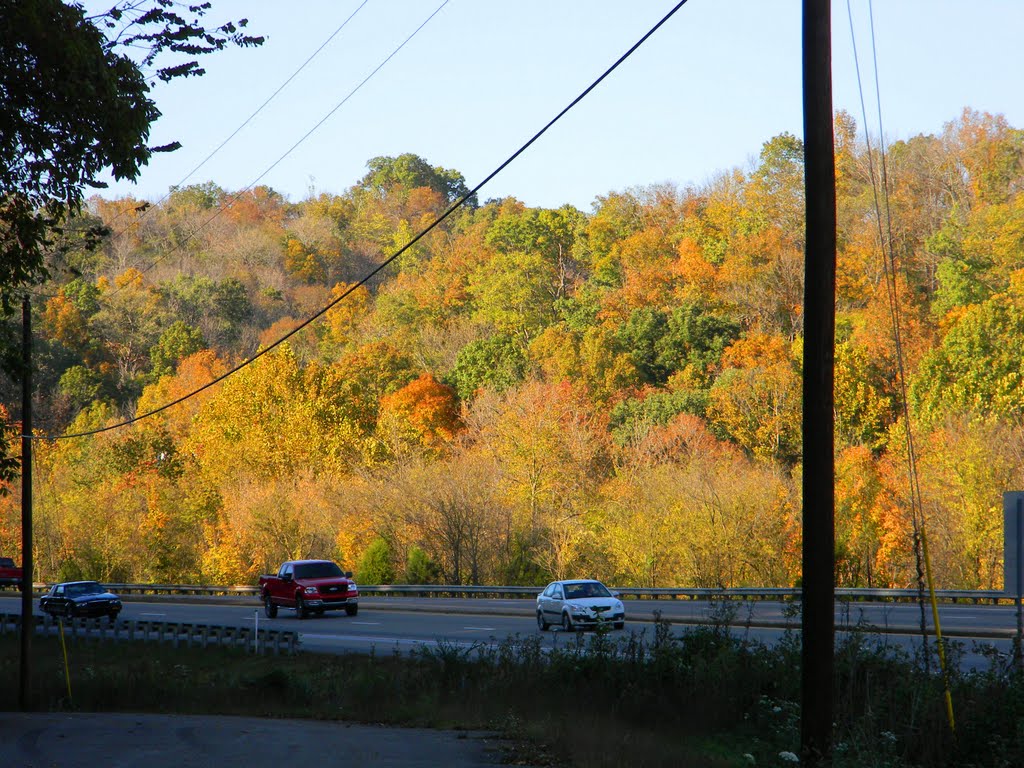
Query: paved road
{"x": 390, "y": 624}
{"x": 184, "y": 741}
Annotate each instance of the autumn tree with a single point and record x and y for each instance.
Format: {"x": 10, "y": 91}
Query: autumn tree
{"x": 756, "y": 400}
{"x": 424, "y": 414}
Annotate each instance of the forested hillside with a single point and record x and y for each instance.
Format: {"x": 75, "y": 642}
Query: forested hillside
{"x": 530, "y": 393}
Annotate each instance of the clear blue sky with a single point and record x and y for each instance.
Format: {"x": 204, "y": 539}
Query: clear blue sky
{"x": 719, "y": 79}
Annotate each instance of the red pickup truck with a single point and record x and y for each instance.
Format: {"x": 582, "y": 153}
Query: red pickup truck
{"x": 10, "y": 574}
{"x": 309, "y": 586}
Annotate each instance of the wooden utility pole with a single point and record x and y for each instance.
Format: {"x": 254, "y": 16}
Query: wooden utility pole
{"x": 27, "y": 619}
{"x": 818, "y": 399}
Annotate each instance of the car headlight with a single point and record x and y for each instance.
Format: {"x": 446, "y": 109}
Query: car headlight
{"x": 310, "y": 590}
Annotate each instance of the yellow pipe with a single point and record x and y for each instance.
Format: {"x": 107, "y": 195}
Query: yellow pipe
{"x": 67, "y": 671}
{"x": 938, "y": 629}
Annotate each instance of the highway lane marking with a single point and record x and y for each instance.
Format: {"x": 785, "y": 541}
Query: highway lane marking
{"x": 483, "y": 629}
{"x": 152, "y": 614}
{"x": 367, "y": 623}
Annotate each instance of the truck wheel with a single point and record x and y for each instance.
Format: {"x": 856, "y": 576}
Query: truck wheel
{"x": 300, "y": 607}
{"x": 351, "y": 610}
{"x": 269, "y": 608}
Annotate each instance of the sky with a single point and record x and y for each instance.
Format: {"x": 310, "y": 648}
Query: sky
{"x": 700, "y": 97}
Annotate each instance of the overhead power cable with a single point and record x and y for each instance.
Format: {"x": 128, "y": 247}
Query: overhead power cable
{"x": 259, "y": 109}
{"x": 234, "y": 198}
{"x": 419, "y": 236}
{"x": 923, "y": 562}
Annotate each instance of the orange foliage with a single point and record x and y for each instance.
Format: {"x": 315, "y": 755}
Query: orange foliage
{"x": 63, "y": 321}
{"x": 757, "y": 350}
{"x": 278, "y": 329}
{"x": 428, "y": 408}
{"x": 193, "y": 372}
{"x": 646, "y": 259}
{"x": 255, "y": 206}
{"x": 697, "y": 276}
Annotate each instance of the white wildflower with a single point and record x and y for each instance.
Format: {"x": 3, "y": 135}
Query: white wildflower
{"x": 789, "y": 757}
{"x": 749, "y": 758}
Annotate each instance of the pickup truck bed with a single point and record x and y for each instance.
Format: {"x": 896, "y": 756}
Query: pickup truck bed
{"x": 10, "y": 574}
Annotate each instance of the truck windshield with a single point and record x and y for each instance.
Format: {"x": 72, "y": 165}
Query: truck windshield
{"x": 317, "y": 570}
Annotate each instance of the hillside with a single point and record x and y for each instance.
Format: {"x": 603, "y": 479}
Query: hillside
{"x": 531, "y": 393}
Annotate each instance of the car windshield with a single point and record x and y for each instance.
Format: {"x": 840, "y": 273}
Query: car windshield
{"x": 87, "y": 588}
{"x": 323, "y": 570}
{"x": 586, "y": 589}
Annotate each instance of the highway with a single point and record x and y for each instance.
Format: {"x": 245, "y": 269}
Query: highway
{"x": 398, "y": 624}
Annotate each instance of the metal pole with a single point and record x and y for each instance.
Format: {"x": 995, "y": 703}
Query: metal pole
{"x": 818, "y": 398}
{"x": 27, "y": 620}
{"x": 1020, "y": 584}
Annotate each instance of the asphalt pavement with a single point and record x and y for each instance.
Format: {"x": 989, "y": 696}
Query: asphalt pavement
{"x": 80, "y": 740}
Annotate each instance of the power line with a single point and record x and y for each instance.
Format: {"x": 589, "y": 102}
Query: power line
{"x": 892, "y": 289}
{"x": 234, "y": 198}
{"x": 259, "y": 109}
{"x": 419, "y": 236}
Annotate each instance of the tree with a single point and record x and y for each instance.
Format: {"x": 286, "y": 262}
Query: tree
{"x": 410, "y": 172}
{"x": 376, "y": 565}
{"x": 495, "y": 361}
{"x": 423, "y": 414}
{"x": 756, "y": 400}
{"x": 177, "y": 342}
{"x": 73, "y": 106}
{"x": 978, "y": 368}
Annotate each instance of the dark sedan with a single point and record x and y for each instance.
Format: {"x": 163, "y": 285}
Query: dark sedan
{"x": 80, "y": 598}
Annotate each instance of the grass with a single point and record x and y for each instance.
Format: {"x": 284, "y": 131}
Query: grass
{"x": 707, "y": 698}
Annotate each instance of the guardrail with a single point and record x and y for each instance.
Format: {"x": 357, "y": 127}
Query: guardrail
{"x": 173, "y": 633}
{"x": 641, "y": 593}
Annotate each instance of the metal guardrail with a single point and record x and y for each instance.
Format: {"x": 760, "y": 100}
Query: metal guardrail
{"x": 661, "y": 593}
{"x": 173, "y": 633}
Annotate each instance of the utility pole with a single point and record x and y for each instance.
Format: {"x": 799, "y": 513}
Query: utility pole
{"x": 27, "y": 620}
{"x": 818, "y": 398}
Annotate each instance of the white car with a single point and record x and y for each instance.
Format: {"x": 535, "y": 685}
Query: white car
{"x": 579, "y": 603}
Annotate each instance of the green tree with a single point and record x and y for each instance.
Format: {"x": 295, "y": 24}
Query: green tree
{"x": 496, "y": 362}
{"x": 376, "y": 566}
{"x": 978, "y": 368}
{"x": 409, "y": 172}
{"x": 419, "y": 568}
{"x": 177, "y": 342}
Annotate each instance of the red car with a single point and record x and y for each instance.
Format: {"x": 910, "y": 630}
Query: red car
{"x": 309, "y": 586}
{"x": 10, "y": 574}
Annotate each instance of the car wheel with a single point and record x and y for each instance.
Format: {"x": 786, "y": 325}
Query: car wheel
{"x": 541, "y": 624}
{"x": 69, "y": 611}
{"x": 567, "y": 623}
{"x": 620, "y": 624}
{"x": 351, "y": 610}
{"x": 112, "y": 616}
{"x": 269, "y": 608}
{"x": 300, "y": 607}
